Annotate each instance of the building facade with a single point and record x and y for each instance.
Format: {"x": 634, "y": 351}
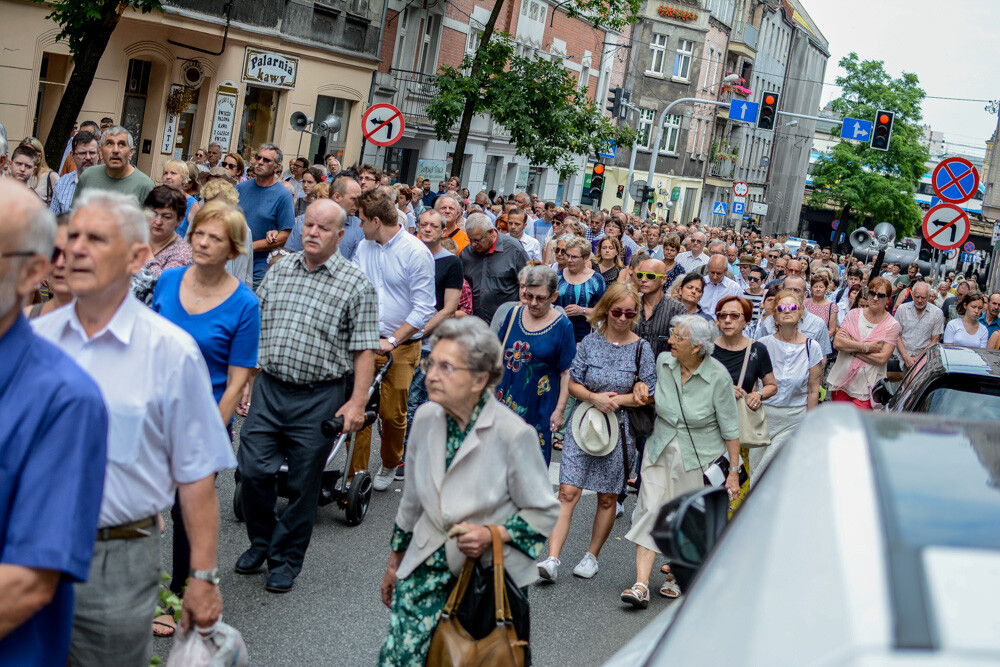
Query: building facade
{"x": 191, "y": 75}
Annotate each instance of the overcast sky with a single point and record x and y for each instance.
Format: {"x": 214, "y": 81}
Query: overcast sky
{"x": 951, "y": 46}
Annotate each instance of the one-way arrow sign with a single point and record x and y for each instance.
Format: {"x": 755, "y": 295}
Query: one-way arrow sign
{"x": 856, "y": 129}
{"x": 744, "y": 111}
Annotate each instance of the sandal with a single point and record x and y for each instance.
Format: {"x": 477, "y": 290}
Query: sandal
{"x": 670, "y": 588}
{"x": 557, "y": 442}
{"x": 637, "y": 596}
{"x": 164, "y": 625}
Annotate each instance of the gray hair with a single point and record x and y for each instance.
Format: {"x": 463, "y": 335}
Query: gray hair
{"x": 437, "y": 202}
{"x": 566, "y": 237}
{"x": 716, "y": 243}
{"x": 432, "y": 212}
{"x": 481, "y": 346}
{"x": 539, "y": 275}
{"x": 114, "y": 131}
{"x": 280, "y": 158}
{"x": 3, "y": 146}
{"x": 40, "y": 232}
{"x": 478, "y": 221}
{"x": 131, "y": 219}
{"x": 699, "y": 330}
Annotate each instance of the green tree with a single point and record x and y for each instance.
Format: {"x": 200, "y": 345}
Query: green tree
{"x": 865, "y": 182}
{"x": 86, "y": 26}
{"x": 537, "y": 100}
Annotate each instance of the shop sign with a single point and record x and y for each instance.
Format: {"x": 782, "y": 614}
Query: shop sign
{"x": 269, "y": 69}
{"x": 225, "y": 114}
{"x": 433, "y": 170}
{"x": 170, "y": 129}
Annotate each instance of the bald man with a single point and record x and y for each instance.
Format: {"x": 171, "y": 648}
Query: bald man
{"x": 717, "y": 284}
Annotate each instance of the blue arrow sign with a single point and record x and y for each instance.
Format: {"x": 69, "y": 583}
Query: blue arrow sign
{"x": 719, "y": 208}
{"x": 859, "y": 130}
{"x": 744, "y": 111}
{"x": 608, "y": 150}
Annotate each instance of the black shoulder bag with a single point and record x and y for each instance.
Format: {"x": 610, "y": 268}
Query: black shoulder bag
{"x": 642, "y": 418}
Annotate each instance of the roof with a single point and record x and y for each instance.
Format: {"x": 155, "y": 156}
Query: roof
{"x": 969, "y": 360}
{"x": 802, "y": 17}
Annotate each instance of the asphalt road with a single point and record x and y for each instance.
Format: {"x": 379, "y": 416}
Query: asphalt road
{"x": 334, "y": 615}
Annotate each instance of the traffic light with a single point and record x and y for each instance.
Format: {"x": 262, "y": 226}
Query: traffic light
{"x": 615, "y": 101}
{"x": 768, "y": 111}
{"x": 621, "y": 191}
{"x": 597, "y": 182}
{"x": 882, "y": 132}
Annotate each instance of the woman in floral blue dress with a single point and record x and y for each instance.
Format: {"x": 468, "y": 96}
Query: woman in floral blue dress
{"x": 538, "y": 351}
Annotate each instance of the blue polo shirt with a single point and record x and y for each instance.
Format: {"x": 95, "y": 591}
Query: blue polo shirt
{"x": 991, "y": 328}
{"x": 265, "y": 209}
{"x": 53, "y": 441}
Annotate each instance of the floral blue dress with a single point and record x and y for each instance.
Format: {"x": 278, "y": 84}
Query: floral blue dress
{"x": 585, "y": 295}
{"x": 418, "y": 599}
{"x": 533, "y": 361}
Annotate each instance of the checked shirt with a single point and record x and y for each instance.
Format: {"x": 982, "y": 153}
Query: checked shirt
{"x": 313, "y": 321}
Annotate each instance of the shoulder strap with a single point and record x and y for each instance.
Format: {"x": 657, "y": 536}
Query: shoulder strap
{"x": 638, "y": 353}
{"x": 510, "y": 325}
{"x": 746, "y": 359}
{"x": 500, "y": 601}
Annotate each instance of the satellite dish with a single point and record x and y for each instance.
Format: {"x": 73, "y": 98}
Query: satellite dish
{"x": 885, "y": 233}
{"x": 331, "y": 124}
{"x": 300, "y": 121}
{"x": 861, "y": 239}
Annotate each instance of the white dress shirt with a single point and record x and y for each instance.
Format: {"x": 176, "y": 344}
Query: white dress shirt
{"x": 810, "y": 326}
{"x": 690, "y": 262}
{"x": 164, "y": 428}
{"x": 713, "y": 293}
{"x": 402, "y": 271}
{"x": 531, "y": 246}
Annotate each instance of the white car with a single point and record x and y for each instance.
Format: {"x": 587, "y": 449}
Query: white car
{"x": 870, "y": 540}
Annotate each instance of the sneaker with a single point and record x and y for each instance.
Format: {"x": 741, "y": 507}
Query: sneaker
{"x": 383, "y": 478}
{"x": 400, "y": 473}
{"x": 619, "y": 510}
{"x": 587, "y": 567}
{"x": 548, "y": 569}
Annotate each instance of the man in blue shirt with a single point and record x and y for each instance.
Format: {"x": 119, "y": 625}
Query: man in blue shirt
{"x": 268, "y": 206}
{"x": 52, "y": 454}
{"x": 991, "y": 316}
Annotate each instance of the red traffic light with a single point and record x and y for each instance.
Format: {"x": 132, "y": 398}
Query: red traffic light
{"x": 598, "y": 169}
{"x": 883, "y": 119}
{"x": 769, "y": 99}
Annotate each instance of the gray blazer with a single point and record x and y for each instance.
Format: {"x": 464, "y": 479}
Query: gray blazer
{"x": 497, "y": 472}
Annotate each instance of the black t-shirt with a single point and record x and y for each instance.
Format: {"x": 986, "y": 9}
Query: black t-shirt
{"x": 758, "y": 366}
{"x": 448, "y": 274}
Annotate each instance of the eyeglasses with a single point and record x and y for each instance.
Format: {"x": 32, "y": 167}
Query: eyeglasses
{"x": 751, "y": 279}
{"x": 676, "y": 336}
{"x": 787, "y": 307}
{"x": 618, "y": 313}
{"x": 18, "y": 253}
{"x": 560, "y": 251}
{"x": 569, "y": 256}
{"x": 534, "y": 298}
{"x": 880, "y": 295}
{"x": 646, "y": 275}
{"x": 261, "y": 158}
{"x": 729, "y": 316}
{"x": 56, "y": 254}
{"x": 446, "y": 368}
{"x": 85, "y": 154}
{"x": 230, "y": 165}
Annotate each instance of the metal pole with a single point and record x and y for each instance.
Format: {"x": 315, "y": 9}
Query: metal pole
{"x": 659, "y": 131}
{"x": 628, "y": 180}
{"x": 993, "y": 278}
{"x": 798, "y": 115}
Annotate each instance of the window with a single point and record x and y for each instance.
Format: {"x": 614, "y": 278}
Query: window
{"x": 671, "y": 131}
{"x": 657, "y": 54}
{"x": 474, "y": 40}
{"x": 682, "y": 64}
{"x": 402, "y": 20}
{"x": 428, "y": 47}
{"x": 534, "y": 10}
{"x": 260, "y": 109}
{"x": 326, "y": 106}
{"x": 644, "y": 126}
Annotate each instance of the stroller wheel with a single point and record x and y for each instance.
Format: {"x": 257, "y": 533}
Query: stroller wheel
{"x": 359, "y": 494}
{"x": 238, "y": 500}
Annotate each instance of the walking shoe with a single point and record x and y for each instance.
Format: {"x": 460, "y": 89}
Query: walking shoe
{"x": 548, "y": 569}
{"x": 637, "y": 596}
{"x": 249, "y": 562}
{"x": 400, "y": 473}
{"x": 278, "y": 583}
{"x": 619, "y": 510}
{"x": 383, "y": 479}
{"x": 587, "y": 567}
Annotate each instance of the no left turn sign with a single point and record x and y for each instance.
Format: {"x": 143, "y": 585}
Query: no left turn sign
{"x": 946, "y": 226}
{"x": 383, "y": 124}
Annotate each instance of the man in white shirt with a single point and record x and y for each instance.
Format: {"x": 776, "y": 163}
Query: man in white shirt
{"x": 810, "y": 325}
{"x": 165, "y": 435}
{"x": 717, "y": 285}
{"x": 695, "y": 257}
{"x": 515, "y": 227}
{"x": 402, "y": 269}
{"x": 921, "y": 324}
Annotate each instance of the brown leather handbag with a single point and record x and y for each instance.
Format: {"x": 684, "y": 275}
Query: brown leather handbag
{"x": 453, "y": 646}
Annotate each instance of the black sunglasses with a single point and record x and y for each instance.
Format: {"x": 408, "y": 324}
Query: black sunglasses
{"x": 230, "y": 165}
{"x": 261, "y": 158}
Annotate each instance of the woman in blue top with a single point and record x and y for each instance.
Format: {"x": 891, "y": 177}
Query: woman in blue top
{"x": 580, "y": 287}
{"x": 223, "y": 316}
{"x": 176, "y": 176}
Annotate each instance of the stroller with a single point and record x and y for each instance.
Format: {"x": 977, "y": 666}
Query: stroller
{"x": 353, "y": 498}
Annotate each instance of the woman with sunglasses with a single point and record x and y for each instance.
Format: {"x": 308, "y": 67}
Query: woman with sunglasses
{"x": 797, "y": 363}
{"x": 55, "y": 279}
{"x": 967, "y": 330}
{"x": 603, "y": 376}
{"x": 865, "y": 341}
{"x": 234, "y": 166}
{"x": 580, "y": 286}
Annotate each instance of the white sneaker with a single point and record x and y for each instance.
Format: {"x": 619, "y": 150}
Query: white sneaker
{"x": 587, "y": 567}
{"x": 548, "y": 569}
{"x": 383, "y": 478}
{"x": 619, "y": 510}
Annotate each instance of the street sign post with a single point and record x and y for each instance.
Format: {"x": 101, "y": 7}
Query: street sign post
{"x": 758, "y": 208}
{"x": 738, "y": 208}
{"x": 719, "y": 208}
{"x": 635, "y": 189}
{"x": 835, "y": 224}
{"x": 743, "y": 111}
{"x": 855, "y": 128}
{"x": 608, "y": 150}
{"x": 955, "y": 180}
{"x": 383, "y": 124}
{"x": 740, "y": 188}
{"x": 969, "y": 246}
{"x": 946, "y": 226}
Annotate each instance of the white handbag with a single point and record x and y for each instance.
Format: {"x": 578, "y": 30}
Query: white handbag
{"x": 753, "y": 425}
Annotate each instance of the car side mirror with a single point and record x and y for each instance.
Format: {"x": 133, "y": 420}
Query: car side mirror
{"x": 688, "y": 527}
{"x": 881, "y": 392}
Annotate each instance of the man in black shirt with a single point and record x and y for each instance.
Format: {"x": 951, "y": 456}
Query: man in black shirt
{"x": 657, "y": 308}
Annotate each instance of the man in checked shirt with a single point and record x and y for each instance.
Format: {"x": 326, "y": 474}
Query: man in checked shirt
{"x": 319, "y": 333}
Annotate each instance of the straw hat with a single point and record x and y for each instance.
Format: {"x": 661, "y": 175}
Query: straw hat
{"x": 595, "y": 432}
{"x": 215, "y": 172}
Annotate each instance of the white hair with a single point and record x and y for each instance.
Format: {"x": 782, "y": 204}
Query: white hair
{"x": 481, "y": 346}
{"x": 699, "y": 330}
{"x": 131, "y": 219}
{"x": 114, "y": 131}
{"x": 478, "y": 221}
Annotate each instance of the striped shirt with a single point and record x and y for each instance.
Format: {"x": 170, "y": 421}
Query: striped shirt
{"x": 656, "y": 330}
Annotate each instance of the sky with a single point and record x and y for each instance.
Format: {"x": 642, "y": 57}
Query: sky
{"x": 951, "y": 47}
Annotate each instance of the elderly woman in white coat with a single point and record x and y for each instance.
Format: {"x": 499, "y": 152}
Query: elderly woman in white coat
{"x": 471, "y": 462}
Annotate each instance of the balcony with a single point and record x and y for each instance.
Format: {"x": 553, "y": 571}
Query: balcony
{"x": 743, "y": 40}
{"x": 414, "y": 91}
{"x": 722, "y": 168}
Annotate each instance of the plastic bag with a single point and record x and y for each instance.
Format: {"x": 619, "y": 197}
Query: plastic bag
{"x": 221, "y": 645}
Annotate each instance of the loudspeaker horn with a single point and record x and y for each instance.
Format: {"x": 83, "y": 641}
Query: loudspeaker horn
{"x": 861, "y": 239}
{"x": 300, "y": 121}
{"x": 331, "y": 124}
{"x": 885, "y": 233}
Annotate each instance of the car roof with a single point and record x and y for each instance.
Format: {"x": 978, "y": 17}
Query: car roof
{"x": 966, "y": 360}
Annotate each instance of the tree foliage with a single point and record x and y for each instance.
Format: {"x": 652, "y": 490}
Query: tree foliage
{"x": 86, "y": 27}
{"x": 549, "y": 118}
{"x": 872, "y": 183}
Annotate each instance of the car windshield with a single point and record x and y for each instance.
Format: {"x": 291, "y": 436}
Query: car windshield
{"x": 974, "y": 403}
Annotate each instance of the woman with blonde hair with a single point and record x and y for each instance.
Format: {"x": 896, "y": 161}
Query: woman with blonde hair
{"x": 580, "y": 286}
{"x": 43, "y": 181}
{"x": 176, "y": 175}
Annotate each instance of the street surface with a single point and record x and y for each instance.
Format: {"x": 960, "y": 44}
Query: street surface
{"x": 334, "y": 615}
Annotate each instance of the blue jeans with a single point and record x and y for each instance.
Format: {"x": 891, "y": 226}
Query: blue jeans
{"x": 416, "y": 397}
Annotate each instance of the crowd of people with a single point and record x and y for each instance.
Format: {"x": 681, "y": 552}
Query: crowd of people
{"x": 649, "y": 356}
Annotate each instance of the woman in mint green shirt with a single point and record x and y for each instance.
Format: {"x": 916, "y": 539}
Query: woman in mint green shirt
{"x": 696, "y": 421}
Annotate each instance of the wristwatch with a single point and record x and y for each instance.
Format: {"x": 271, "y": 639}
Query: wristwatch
{"x": 392, "y": 341}
{"x": 211, "y": 576}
